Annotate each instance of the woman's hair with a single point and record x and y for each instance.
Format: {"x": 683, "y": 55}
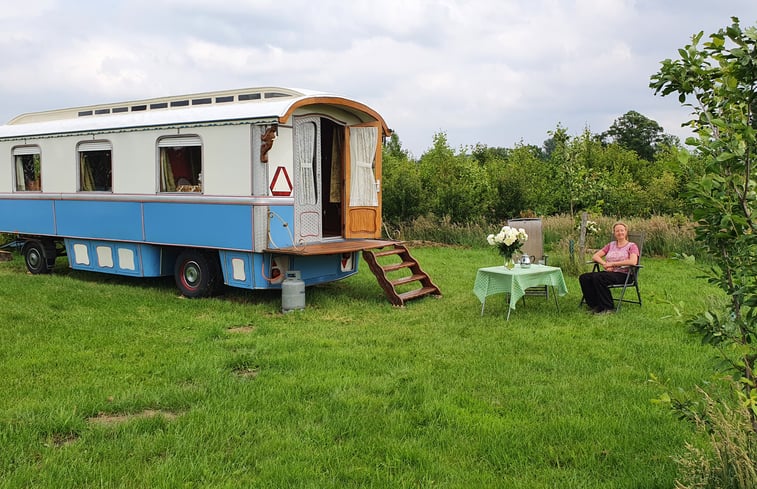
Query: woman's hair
{"x": 619, "y": 223}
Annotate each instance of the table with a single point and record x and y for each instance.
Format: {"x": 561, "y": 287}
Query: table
{"x": 494, "y": 280}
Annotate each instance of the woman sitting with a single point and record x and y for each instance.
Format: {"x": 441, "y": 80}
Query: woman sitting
{"x": 613, "y": 258}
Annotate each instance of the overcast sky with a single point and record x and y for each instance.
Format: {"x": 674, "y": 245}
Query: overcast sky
{"x": 495, "y": 72}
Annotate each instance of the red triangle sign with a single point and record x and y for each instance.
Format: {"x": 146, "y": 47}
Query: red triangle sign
{"x": 281, "y": 185}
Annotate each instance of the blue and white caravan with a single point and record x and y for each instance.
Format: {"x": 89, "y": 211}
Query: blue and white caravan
{"x": 234, "y": 187}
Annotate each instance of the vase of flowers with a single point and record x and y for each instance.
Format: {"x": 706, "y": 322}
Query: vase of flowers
{"x": 508, "y": 241}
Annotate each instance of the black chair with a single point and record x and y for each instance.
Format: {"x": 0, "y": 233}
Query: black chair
{"x": 632, "y": 278}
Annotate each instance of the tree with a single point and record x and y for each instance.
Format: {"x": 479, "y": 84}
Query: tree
{"x": 402, "y": 183}
{"x": 574, "y": 163}
{"x": 514, "y": 181}
{"x": 453, "y": 185}
{"x": 638, "y": 133}
{"x": 718, "y": 80}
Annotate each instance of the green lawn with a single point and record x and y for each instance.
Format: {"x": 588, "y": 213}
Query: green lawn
{"x": 114, "y": 382}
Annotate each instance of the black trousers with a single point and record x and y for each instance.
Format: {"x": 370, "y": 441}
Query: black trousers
{"x": 594, "y": 286}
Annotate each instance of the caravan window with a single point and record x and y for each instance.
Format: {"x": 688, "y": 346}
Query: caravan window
{"x": 27, "y": 166}
{"x": 95, "y": 167}
{"x": 180, "y": 163}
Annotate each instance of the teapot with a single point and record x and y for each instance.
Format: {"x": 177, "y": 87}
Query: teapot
{"x": 525, "y": 261}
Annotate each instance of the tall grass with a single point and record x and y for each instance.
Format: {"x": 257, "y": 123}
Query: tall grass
{"x": 665, "y": 235}
{"x": 443, "y": 231}
{"x": 728, "y": 459}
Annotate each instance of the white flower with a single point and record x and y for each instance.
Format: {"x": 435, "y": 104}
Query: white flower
{"x": 591, "y": 227}
{"x": 508, "y": 240}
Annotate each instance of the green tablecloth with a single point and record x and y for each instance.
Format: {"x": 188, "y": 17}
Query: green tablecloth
{"x": 495, "y": 280}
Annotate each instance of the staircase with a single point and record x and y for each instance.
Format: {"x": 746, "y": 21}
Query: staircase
{"x": 393, "y": 276}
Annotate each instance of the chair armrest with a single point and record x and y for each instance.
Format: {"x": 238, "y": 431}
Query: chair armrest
{"x": 597, "y": 268}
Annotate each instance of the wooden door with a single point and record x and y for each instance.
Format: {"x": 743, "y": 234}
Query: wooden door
{"x": 363, "y": 181}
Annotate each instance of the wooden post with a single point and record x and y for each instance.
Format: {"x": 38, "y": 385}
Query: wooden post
{"x": 582, "y": 239}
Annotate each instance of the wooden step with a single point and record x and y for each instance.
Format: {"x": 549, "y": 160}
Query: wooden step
{"x": 397, "y": 266}
{"x": 392, "y": 251}
{"x": 427, "y": 287}
{"x": 414, "y": 294}
{"x": 406, "y": 280}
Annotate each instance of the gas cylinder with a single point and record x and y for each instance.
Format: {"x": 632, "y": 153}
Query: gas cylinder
{"x": 292, "y": 292}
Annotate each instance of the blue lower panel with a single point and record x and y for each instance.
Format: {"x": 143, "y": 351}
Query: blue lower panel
{"x": 222, "y": 226}
{"x": 320, "y": 269}
{"x": 205, "y": 225}
{"x": 27, "y": 216}
{"x": 267, "y": 271}
{"x": 238, "y": 269}
{"x": 99, "y": 220}
{"x": 118, "y": 258}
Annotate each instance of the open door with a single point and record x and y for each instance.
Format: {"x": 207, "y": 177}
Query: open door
{"x": 307, "y": 180}
{"x": 363, "y": 182}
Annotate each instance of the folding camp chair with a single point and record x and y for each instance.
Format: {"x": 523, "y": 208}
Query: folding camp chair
{"x": 632, "y": 278}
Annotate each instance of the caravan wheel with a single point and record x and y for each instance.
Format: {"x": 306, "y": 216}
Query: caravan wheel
{"x": 197, "y": 273}
{"x": 36, "y": 257}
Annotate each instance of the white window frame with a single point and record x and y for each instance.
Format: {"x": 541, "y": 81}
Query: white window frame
{"x": 166, "y": 181}
{"x": 87, "y": 147}
{"x": 18, "y": 169}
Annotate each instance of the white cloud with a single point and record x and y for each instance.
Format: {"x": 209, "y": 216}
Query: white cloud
{"x": 482, "y": 71}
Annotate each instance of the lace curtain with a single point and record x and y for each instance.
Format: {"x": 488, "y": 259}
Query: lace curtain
{"x": 363, "y": 141}
{"x": 305, "y": 156}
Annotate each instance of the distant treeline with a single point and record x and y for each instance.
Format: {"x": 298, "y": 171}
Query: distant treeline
{"x": 633, "y": 169}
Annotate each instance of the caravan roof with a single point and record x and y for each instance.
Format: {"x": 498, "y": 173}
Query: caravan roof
{"x": 263, "y": 105}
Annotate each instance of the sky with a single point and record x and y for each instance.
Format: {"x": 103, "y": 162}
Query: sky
{"x": 492, "y": 72}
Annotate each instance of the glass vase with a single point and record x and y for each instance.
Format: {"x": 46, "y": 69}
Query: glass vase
{"x": 509, "y": 263}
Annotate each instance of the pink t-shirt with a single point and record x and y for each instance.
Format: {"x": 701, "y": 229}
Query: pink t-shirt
{"x": 615, "y": 253}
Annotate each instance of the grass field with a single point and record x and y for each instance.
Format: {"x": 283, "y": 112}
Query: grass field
{"x": 119, "y": 383}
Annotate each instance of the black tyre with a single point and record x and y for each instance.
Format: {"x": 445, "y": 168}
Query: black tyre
{"x": 197, "y": 273}
{"x": 38, "y": 256}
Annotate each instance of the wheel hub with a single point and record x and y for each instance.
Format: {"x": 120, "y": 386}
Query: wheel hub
{"x": 192, "y": 274}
